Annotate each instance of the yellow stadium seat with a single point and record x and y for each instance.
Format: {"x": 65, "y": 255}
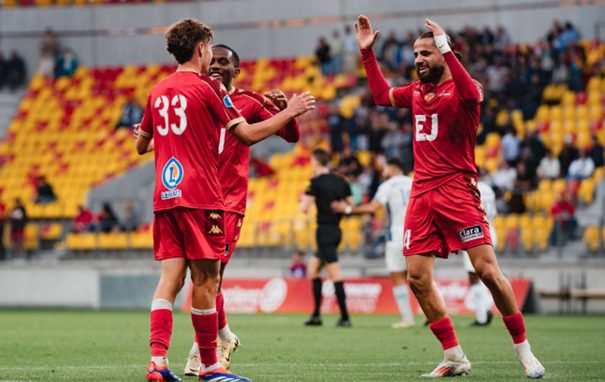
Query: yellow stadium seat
{"x": 591, "y": 238}
{"x": 113, "y": 240}
{"x": 81, "y": 242}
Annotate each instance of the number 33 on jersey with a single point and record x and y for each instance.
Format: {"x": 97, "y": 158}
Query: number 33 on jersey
{"x": 185, "y": 114}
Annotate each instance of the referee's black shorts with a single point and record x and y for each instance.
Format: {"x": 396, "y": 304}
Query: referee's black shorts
{"x": 328, "y": 238}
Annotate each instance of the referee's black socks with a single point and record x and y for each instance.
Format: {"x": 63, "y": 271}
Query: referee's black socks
{"x": 339, "y": 288}
{"x": 316, "y": 296}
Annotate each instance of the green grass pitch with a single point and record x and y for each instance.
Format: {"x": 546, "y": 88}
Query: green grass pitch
{"x": 48, "y": 345}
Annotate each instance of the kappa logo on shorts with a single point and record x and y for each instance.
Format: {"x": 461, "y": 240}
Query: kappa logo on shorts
{"x": 214, "y": 215}
{"x": 470, "y": 233}
{"x": 215, "y": 230}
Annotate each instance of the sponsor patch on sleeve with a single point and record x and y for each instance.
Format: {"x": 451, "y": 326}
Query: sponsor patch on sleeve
{"x": 470, "y": 233}
{"x": 227, "y": 101}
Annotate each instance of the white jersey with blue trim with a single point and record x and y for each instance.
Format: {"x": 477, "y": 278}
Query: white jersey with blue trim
{"x": 394, "y": 194}
{"x": 488, "y": 200}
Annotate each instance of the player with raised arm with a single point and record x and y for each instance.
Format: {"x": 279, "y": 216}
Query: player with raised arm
{"x": 444, "y": 213}
{"x": 183, "y": 118}
{"x": 393, "y": 194}
{"x": 234, "y": 162}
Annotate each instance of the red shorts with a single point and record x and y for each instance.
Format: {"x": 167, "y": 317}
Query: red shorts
{"x": 233, "y": 227}
{"x": 446, "y": 219}
{"x": 190, "y": 233}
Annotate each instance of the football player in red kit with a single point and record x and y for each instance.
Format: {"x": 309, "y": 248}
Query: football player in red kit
{"x": 444, "y": 212}
{"x": 182, "y": 122}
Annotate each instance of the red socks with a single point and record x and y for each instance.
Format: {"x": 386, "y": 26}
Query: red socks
{"x": 205, "y": 323}
{"x": 161, "y": 327}
{"x": 220, "y": 309}
{"x": 443, "y": 329}
{"x": 516, "y": 327}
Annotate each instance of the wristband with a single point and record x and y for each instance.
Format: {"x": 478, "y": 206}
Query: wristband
{"x": 442, "y": 45}
{"x": 348, "y": 210}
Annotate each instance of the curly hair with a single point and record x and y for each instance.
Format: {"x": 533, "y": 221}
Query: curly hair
{"x": 183, "y": 36}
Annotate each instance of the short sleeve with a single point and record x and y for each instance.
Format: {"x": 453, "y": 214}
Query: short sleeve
{"x": 401, "y": 97}
{"x": 381, "y": 194}
{"x": 147, "y": 121}
{"x": 347, "y": 189}
{"x": 222, "y": 107}
{"x": 310, "y": 190}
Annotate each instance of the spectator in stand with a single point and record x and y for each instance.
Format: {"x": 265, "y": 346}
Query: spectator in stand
{"x": 351, "y": 52}
{"x": 323, "y": 56}
{"x": 131, "y": 114}
{"x": 44, "y": 191}
{"x": 394, "y": 141}
{"x": 3, "y": 64}
{"x": 66, "y": 64}
{"x": 18, "y": 222}
{"x": 504, "y": 177}
{"x": 511, "y": 146}
{"x": 567, "y": 155}
{"x": 131, "y": 220}
{"x": 496, "y": 76}
{"x": 563, "y": 213}
{"x": 298, "y": 268}
{"x": 390, "y": 53}
{"x": 549, "y": 167}
{"x": 336, "y": 126}
{"x": 532, "y": 147}
{"x": 83, "y": 222}
{"x": 581, "y": 168}
{"x": 49, "y": 49}
{"x": 337, "y": 51}
{"x": 596, "y": 151}
{"x": 15, "y": 71}
{"x": 107, "y": 219}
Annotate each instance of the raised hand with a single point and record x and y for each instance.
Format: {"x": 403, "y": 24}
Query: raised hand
{"x": 434, "y": 27}
{"x": 364, "y": 34}
{"x": 278, "y": 98}
{"x": 301, "y": 103}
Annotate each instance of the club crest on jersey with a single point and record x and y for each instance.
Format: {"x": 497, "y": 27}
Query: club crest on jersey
{"x": 172, "y": 176}
{"x": 429, "y": 96}
{"x": 470, "y": 233}
{"x": 227, "y": 101}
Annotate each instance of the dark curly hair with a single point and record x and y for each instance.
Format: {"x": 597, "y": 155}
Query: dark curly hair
{"x": 183, "y": 36}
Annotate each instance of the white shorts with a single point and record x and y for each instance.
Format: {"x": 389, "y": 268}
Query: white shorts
{"x": 394, "y": 256}
{"x": 468, "y": 266}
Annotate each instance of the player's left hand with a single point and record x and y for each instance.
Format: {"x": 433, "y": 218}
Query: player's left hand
{"x": 433, "y": 27}
{"x": 278, "y": 98}
{"x": 339, "y": 206}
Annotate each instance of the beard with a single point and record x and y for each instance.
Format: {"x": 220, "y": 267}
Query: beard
{"x": 432, "y": 76}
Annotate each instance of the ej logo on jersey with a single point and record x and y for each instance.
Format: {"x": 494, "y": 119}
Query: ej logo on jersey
{"x": 172, "y": 176}
{"x": 470, "y": 233}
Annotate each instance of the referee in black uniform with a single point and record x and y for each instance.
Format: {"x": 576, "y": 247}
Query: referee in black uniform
{"x": 324, "y": 188}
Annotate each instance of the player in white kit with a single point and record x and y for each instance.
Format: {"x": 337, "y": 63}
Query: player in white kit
{"x": 479, "y": 298}
{"x": 393, "y": 194}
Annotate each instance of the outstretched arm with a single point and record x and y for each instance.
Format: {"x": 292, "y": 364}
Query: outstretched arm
{"x": 469, "y": 90}
{"x": 366, "y": 38}
{"x": 290, "y": 132}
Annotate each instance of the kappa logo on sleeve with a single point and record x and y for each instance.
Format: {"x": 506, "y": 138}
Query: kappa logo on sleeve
{"x": 470, "y": 233}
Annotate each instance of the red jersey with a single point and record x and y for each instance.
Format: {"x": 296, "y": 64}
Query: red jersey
{"x": 234, "y": 161}
{"x": 444, "y": 135}
{"x": 184, "y": 114}
{"x": 446, "y": 118}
